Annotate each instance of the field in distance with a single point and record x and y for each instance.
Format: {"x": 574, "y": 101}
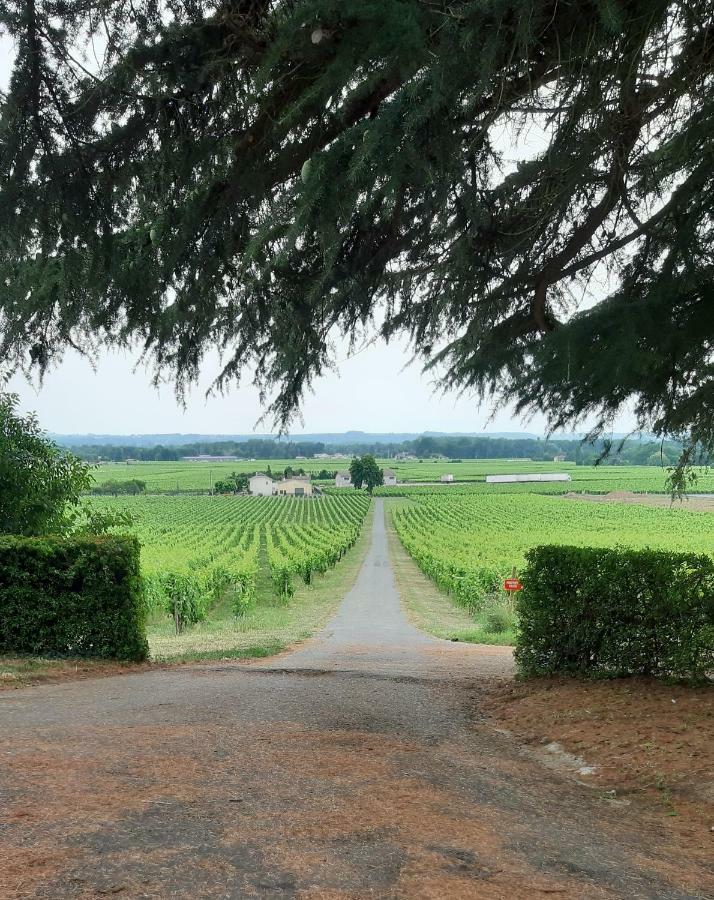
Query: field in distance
{"x": 201, "y": 476}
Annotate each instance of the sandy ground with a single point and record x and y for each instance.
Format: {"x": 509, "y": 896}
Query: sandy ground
{"x": 369, "y": 763}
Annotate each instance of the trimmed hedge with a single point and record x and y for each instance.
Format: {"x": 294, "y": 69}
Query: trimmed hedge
{"x": 78, "y": 596}
{"x": 614, "y": 612}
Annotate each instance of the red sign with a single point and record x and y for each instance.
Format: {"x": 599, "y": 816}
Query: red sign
{"x": 512, "y": 584}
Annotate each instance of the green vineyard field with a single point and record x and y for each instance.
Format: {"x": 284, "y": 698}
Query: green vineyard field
{"x": 176, "y": 477}
{"x": 468, "y": 543}
{"x": 229, "y": 542}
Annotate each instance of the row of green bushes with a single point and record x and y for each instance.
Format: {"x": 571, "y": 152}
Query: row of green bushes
{"x": 116, "y": 487}
{"x": 187, "y": 597}
{"x": 607, "y": 612}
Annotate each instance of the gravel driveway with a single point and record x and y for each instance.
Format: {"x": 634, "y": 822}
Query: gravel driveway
{"x": 350, "y": 768}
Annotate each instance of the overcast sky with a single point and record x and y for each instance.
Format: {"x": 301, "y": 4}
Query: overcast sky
{"x": 375, "y": 390}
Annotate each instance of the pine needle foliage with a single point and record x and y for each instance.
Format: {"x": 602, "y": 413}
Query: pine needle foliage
{"x": 261, "y": 176}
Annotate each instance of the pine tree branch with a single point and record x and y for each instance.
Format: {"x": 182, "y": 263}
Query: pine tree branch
{"x": 680, "y": 196}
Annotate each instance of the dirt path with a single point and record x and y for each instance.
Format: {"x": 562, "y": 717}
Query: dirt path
{"x": 352, "y": 768}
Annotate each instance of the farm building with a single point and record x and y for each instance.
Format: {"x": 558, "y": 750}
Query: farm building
{"x": 447, "y": 478}
{"x": 508, "y": 479}
{"x": 390, "y": 477}
{"x": 261, "y": 485}
{"x": 559, "y": 457}
{"x": 297, "y": 486}
{"x": 343, "y": 479}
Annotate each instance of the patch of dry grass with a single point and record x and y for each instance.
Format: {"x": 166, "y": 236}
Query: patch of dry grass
{"x": 646, "y": 738}
{"x": 19, "y": 671}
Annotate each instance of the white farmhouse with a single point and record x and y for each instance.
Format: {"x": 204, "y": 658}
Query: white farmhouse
{"x": 447, "y": 479}
{"x": 343, "y": 479}
{"x": 261, "y": 485}
{"x": 390, "y": 477}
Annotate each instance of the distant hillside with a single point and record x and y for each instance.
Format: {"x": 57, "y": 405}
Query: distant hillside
{"x": 331, "y": 438}
{"x": 149, "y": 440}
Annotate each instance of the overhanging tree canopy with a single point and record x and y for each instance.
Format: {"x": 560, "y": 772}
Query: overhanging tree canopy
{"x": 258, "y": 176}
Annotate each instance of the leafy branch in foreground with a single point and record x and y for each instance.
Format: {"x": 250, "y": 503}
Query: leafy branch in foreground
{"x": 261, "y": 176}
{"x": 41, "y": 485}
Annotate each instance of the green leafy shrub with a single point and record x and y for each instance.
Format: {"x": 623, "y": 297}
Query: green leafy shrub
{"x": 498, "y": 614}
{"x": 233, "y": 484}
{"x": 187, "y": 598}
{"x": 40, "y": 484}
{"x": 611, "y": 612}
{"x": 153, "y": 595}
{"x": 181, "y": 596}
{"x": 238, "y": 581}
{"x": 243, "y": 583}
{"x": 74, "y": 596}
{"x": 282, "y": 577}
{"x": 115, "y": 487}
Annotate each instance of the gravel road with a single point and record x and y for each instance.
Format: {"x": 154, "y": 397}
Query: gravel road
{"x": 355, "y": 767}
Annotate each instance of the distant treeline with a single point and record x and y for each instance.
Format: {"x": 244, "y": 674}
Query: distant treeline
{"x": 251, "y": 449}
{"x": 633, "y": 452}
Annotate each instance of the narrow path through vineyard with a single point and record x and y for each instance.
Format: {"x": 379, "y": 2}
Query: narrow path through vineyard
{"x": 371, "y": 634}
{"x": 357, "y": 766}
{"x": 263, "y": 583}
